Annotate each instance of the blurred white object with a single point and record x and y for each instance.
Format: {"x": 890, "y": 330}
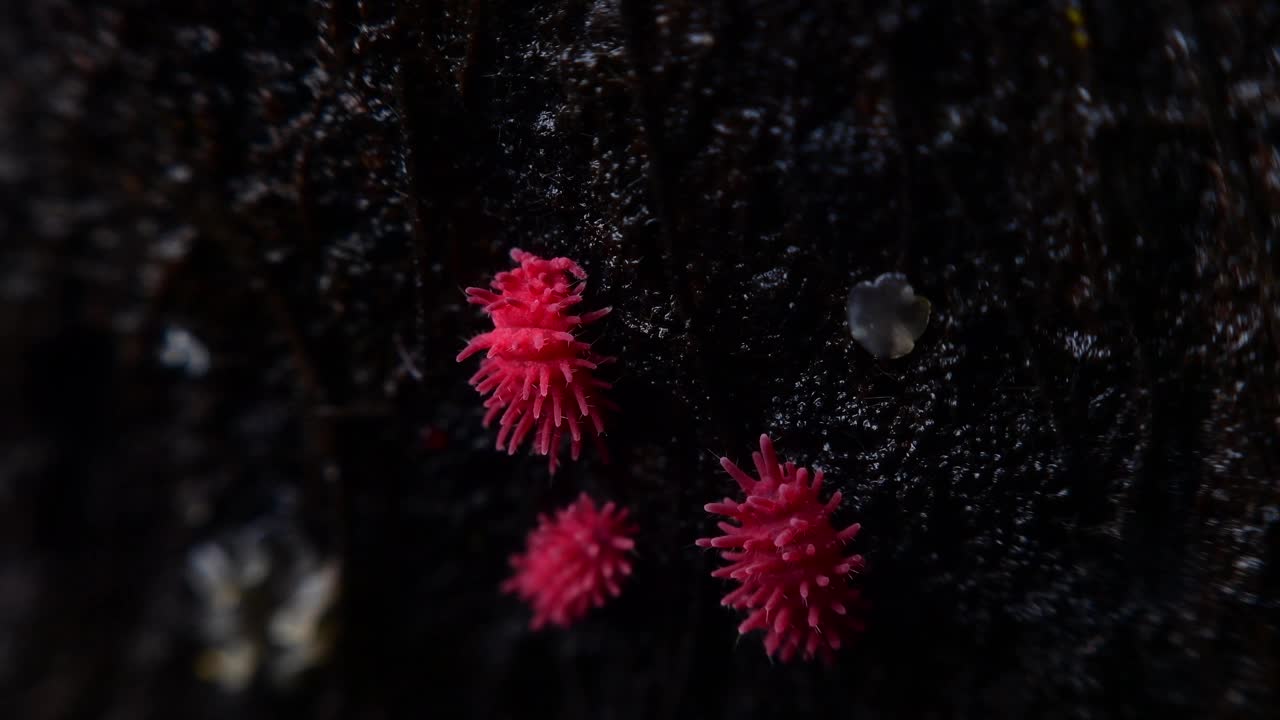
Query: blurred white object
{"x": 264, "y": 605}
{"x": 182, "y": 351}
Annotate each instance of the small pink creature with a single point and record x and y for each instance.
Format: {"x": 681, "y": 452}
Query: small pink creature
{"x": 789, "y": 561}
{"x": 573, "y": 562}
{"x": 540, "y": 376}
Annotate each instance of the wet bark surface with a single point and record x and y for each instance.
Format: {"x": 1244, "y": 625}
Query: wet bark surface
{"x": 1069, "y": 489}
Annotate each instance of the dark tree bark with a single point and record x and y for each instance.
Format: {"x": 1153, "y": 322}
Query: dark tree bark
{"x": 1070, "y": 489}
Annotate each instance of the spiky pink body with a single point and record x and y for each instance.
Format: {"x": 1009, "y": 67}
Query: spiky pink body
{"x": 788, "y": 558}
{"x": 573, "y": 562}
{"x": 538, "y": 376}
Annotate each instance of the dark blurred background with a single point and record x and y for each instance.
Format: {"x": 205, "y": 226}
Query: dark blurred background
{"x": 241, "y": 475}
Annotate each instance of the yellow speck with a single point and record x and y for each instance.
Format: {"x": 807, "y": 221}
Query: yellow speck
{"x": 1079, "y": 36}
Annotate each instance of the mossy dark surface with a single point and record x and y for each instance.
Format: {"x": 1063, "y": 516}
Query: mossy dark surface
{"x": 1070, "y": 489}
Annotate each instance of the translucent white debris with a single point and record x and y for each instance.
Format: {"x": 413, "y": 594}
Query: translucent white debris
{"x": 886, "y": 316}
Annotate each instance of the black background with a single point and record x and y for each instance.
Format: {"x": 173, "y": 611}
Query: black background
{"x": 1068, "y": 491}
